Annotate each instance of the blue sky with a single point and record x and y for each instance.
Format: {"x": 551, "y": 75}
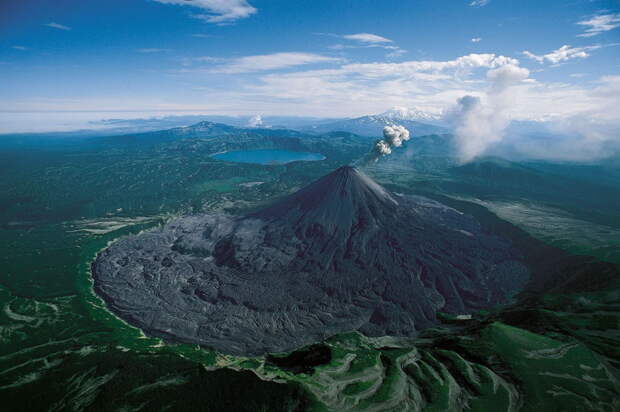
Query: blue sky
{"x": 307, "y": 58}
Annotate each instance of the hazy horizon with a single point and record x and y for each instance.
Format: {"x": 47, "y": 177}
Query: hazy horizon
{"x": 477, "y": 65}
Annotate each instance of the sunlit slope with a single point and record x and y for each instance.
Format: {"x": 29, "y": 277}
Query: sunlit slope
{"x": 515, "y": 360}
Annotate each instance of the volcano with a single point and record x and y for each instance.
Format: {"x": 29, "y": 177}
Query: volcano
{"x": 341, "y": 254}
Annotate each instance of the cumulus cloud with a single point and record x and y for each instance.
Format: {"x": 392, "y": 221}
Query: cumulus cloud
{"x": 470, "y": 61}
{"x": 476, "y": 39}
{"x": 355, "y": 89}
{"x": 362, "y": 88}
{"x": 419, "y": 67}
{"x": 57, "y": 26}
{"x": 564, "y": 53}
{"x": 217, "y": 11}
{"x": 481, "y": 123}
{"x": 599, "y": 23}
{"x": 506, "y": 76}
{"x": 273, "y": 61}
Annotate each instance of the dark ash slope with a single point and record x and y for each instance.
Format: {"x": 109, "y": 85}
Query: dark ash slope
{"x": 341, "y": 254}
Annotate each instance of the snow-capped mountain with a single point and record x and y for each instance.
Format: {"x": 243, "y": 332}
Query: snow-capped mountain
{"x": 415, "y": 114}
{"x": 418, "y": 123}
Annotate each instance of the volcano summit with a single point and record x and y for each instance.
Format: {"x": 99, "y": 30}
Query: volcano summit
{"x": 341, "y": 254}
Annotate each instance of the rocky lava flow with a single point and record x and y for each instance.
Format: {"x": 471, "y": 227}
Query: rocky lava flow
{"x": 341, "y": 254}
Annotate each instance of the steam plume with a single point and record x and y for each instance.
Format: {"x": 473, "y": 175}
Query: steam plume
{"x": 255, "y": 121}
{"x": 481, "y": 123}
{"x": 393, "y": 136}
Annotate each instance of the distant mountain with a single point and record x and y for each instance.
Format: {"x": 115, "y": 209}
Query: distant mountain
{"x": 125, "y": 126}
{"x": 204, "y": 129}
{"x": 415, "y": 114}
{"x": 372, "y": 125}
{"x": 213, "y": 137}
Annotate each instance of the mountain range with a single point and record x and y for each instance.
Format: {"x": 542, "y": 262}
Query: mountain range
{"x": 418, "y": 123}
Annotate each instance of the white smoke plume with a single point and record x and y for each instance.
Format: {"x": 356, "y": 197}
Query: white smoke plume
{"x": 383, "y": 148}
{"x": 481, "y": 122}
{"x": 393, "y": 136}
{"x": 255, "y": 121}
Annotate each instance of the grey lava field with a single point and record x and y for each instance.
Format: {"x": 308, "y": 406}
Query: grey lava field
{"x": 341, "y": 254}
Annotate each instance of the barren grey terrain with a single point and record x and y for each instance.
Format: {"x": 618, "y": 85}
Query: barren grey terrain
{"x": 341, "y": 254}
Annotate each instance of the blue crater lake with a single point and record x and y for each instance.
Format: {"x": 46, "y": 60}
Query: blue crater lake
{"x": 267, "y": 157}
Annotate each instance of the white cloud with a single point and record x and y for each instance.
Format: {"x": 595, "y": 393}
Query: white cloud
{"x": 57, "y": 26}
{"x": 217, "y": 11}
{"x": 564, "y": 53}
{"x": 151, "y": 50}
{"x": 355, "y": 89}
{"x": 476, "y": 39}
{"x": 255, "y": 121}
{"x": 538, "y": 58}
{"x": 506, "y": 76}
{"x": 344, "y": 89}
{"x": 479, "y": 3}
{"x": 273, "y": 61}
{"x": 413, "y": 67}
{"x": 364, "y": 40}
{"x": 481, "y": 121}
{"x": 590, "y": 131}
{"x": 22, "y": 48}
{"x": 367, "y": 38}
{"x": 598, "y": 24}
{"x": 395, "y": 51}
